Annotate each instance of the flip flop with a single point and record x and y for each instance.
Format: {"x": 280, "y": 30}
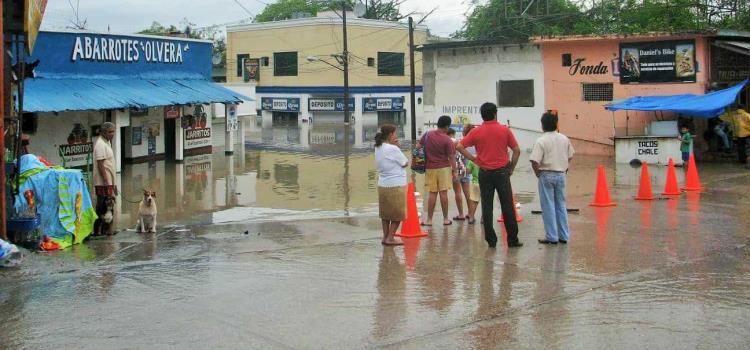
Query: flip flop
{"x": 472, "y": 221}
{"x": 392, "y": 244}
{"x": 459, "y": 218}
{"x": 423, "y": 224}
{"x": 449, "y": 223}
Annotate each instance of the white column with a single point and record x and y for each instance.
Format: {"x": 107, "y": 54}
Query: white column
{"x": 121, "y": 119}
{"x": 228, "y": 132}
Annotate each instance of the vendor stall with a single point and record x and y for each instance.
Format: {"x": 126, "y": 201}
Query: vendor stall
{"x": 661, "y": 141}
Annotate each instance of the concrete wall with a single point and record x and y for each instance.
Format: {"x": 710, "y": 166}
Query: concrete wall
{"x": 465, "y": 78}
{"x": 322, "y": 37}
{"x": 154, "y": 120}
{"x": 53, "y": 130}
{"x": 588, "y": 124}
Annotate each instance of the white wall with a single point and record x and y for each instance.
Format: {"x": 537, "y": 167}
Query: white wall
{"x": 467, "y": 77}
{"x": 53, "y": 130}
{"x": 154, "y": 118}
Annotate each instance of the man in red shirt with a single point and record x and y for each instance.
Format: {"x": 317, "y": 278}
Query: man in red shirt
{"x": 492, "y": 141}
{"x": 440, "y": 165}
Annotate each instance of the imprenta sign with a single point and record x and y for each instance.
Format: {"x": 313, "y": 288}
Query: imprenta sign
{"x": 95, "y": 48}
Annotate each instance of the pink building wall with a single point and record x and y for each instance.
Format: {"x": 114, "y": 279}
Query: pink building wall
{"x": 588, "y": 124}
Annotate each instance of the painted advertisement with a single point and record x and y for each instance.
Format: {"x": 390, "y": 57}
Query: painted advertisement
{"x": 461, "y": 115}
{"x": 658, "y": 62}
{"x": 197, "y": 128}
{"x": 251, "y": 69}
{"x": 78, "y": 149}
{"x": 280, "y": 104}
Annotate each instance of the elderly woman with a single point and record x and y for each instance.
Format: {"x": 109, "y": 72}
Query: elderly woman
{"x": 391, "y": 164}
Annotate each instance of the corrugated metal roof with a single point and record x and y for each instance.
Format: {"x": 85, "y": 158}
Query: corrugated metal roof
{"x": 58, "y": 95}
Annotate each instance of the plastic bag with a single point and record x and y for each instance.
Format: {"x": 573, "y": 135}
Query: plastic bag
{"x": 10, "y": 255}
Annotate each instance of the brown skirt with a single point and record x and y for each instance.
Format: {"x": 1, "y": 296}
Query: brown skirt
{"x": 392, "y": 202}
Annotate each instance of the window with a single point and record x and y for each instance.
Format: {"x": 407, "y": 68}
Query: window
{"x": 285, "y": 64}
{"x": 515, "y": 93}
{"x": 597, "y": 91}
{"x": 391, "y": 63}
{"x": 30, "y": 121}
{"x": 240, "y": 57}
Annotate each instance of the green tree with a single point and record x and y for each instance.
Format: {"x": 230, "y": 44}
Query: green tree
{"x": 517, "y": 21}
{"x": 387, "y": 10}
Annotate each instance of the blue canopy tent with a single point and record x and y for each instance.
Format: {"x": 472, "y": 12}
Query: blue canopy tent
{"x": 706, "y": 106}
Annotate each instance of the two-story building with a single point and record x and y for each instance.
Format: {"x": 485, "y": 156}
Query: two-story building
{"x": 299, "y": 79}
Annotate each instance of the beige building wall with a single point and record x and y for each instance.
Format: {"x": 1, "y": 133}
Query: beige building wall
{"x": 322, "y": 37}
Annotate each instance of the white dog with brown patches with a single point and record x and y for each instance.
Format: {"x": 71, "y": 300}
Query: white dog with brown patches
{"x": 147, "y": 212}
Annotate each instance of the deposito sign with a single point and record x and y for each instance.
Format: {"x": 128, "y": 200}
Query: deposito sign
{"x": 329, "y": 104}
{"x": 658, "y": 62}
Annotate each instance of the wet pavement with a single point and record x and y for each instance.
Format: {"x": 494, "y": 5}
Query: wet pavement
{"x": 279, "y": 247}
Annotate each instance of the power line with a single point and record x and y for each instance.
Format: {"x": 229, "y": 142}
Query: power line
{"x": 245, "y": 8}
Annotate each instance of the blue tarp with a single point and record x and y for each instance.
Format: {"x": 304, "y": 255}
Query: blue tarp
{"x": 709, "y": 105}
{"x": 58, "y": 95}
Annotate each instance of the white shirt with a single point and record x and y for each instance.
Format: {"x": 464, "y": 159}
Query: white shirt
{"x": 103, "y": 151}
{"x": 552, "y": 151}
{"x": 391, "y": 162}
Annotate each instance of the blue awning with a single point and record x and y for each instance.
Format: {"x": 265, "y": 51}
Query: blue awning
{"x": 58, "y": 95}
{"x": 709, "y": 105}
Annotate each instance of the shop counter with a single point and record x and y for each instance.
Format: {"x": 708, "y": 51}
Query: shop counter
{"x": 651, "y": 149}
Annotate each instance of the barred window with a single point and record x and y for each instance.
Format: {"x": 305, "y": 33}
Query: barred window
{"x": 391, "y": 63}
{"x": 515, "y": 93}
{"x": 597, "y": 91}
{"x": 240, "y": 57}
{"x": 285, "y": 64}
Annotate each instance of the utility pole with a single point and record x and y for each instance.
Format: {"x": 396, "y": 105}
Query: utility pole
{"x": 346, "y": 72}
{"x": 412, "y": 89}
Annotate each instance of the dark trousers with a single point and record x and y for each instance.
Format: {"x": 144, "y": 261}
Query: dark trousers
{"x": 742, "y": 149}
{"x": 490, "y": 182}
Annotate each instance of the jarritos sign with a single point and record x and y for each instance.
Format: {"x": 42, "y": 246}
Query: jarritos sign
{"x": 76, "y": 155}
{"x": 197, "y": 138}
{"x": 78, "y": 150}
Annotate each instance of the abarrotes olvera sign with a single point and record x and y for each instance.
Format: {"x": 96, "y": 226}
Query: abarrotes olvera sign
{"x": 91, "y": 55}
{"x": 92, "y": 48}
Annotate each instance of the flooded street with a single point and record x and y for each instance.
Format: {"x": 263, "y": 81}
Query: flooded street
{"x": 278, "y": 246}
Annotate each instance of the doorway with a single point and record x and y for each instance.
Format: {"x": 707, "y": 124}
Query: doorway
{"x": 170, "y": 142}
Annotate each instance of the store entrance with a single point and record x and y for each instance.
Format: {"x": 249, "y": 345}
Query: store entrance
{"x": 170, "y": 141}
{"x": 285, "y": 119}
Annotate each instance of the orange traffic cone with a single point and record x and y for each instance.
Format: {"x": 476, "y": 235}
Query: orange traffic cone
{"x": 671, "y": 188}
{"x": 602, "y": 199}
{"x": 410, "y": 227}
{"x": 692, "y": 181}
{"x": 644, "y": 191}
{"x": 519, "y": 218}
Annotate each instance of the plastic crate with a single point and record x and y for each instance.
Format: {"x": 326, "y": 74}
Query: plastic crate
{"x": 24, "y": 224}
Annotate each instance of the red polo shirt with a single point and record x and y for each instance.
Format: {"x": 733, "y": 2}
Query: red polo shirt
{"x": 492, "y": 140}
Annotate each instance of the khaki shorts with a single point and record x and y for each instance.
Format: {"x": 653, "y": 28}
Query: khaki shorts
{"x": 438, "y": 180}
{"x": 392, "y": 203}
{"x": 474, "y": 193}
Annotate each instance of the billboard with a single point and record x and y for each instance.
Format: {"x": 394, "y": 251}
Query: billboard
{"x": 658, "y": 62}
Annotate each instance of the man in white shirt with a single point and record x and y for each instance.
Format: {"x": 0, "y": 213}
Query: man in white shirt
{"x": 550, "y": 159}
{"x": 104, "y": 169}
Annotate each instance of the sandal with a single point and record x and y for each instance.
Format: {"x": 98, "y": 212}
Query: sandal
{"x": 447, "y": 223}
{"x": 472, "y": 221}
{"x": 459, "y": 218}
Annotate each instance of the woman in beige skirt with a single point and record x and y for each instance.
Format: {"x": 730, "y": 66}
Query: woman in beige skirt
{"x": 391, "y": 164}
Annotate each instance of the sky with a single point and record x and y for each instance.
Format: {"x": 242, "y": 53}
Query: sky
{"x": 129, "y": 16}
